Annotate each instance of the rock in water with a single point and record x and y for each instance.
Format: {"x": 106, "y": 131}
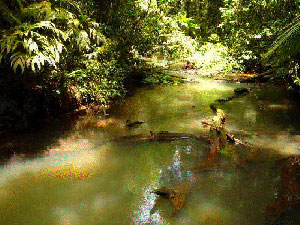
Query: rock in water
{"x": 163, "y": 192}
{"x": 135, "y": 124}
{"x": 240, "y": 91}
{"x": 176, "y": 197}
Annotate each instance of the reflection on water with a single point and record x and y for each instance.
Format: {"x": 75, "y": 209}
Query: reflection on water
{"x": 84, "y": 178}
{"x": 143, "y": 214}
{"x": 175, "y": 168}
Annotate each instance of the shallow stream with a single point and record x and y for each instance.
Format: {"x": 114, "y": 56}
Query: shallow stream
{"x": 90, "y": 174}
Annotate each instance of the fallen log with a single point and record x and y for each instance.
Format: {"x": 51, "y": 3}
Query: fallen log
{"x": 233, "y": 141}
{"x": 230, "y": 137}
{"x": 162, "y": 136}
{"x": 260, "y": 77}
{"x": 169, "y": 136}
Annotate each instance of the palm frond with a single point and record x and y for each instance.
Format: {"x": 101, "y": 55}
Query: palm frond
{"x": 288, "y": 33}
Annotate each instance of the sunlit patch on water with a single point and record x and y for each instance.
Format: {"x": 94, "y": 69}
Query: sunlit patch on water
{"x": 250, "y": 115}
{"x": 66, "y": 216}
{"x": 209, "y": 213}
{"x": 67, "y": 165}
{"x": 70, "y": 145}
{"x": 208, "y": 85}
{"x": 280, "y": 144}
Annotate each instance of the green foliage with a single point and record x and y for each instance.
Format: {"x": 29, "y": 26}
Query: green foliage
{"x": 59, "y": 55}
{"x": 177, "y": 41}
{"x": 248, "y": 27}
{"x": 173, "y": 42}
{"x": 89, "y": 48}
{"x": 284, "y": 55}
{"x": 43, "y": 36}
{"x": 55, "y": 38}
{"x": 287, "y": 43}
{"x": 30, "y": 46}
{"x": 98, "y": 77}
{"x": 158, "y": 77}
{"x": 177, "y": 45}
{"x": 200, "y": 18}
{"x": 212, "y": 59}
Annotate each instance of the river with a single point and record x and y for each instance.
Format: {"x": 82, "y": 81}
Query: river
{"x": 90, "y": 174}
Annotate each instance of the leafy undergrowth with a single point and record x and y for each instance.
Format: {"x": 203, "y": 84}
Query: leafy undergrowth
{"x": 160, "y": 76}
{"x": 208, "y": 59}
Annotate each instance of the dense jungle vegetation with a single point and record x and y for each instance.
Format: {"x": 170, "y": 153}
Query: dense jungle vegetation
{"x": 60, "y": 55}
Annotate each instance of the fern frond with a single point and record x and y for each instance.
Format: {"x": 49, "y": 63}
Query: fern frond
{"x": 45, "y": 33}
{"x": 17, "y": 60}
{"x": 41, "y": 58}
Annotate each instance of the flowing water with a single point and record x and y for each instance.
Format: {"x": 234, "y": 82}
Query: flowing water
{"x": 90, "y": 174}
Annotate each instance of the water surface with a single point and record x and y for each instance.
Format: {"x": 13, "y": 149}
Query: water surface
{"x": 90, "y": 175}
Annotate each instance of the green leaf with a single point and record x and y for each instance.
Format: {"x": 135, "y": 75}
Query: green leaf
{"x": 19, "y": 62}
{"x": 15, "y": 45}
{"x": 32, "y": 67}
{"x": 41, "y": 58}
{"x": 36, "y": 61}
{"x": 8, "y": 45}
{"x": 33, "y": 46}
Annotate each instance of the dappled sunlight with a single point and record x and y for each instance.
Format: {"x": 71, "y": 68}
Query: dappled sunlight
{"x": 97, "y": 123}
{"x": 210, "y": 86}
{"x": 180, "y": 105}
{"x": 71, "y": 144}
{"x": 71, "y": 171}
{"x": 56, "y": 179}
{"x": 283, "y": 144}
{"x": 65, "y": 165}
{"x": 72, "y": 165}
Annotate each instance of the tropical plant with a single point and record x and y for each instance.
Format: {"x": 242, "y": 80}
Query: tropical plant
{"x": 49, "y": 45}
{"x": 284, "y": 55}
{"x": 97, "y": 76}
{"x": 287, "y": 43}
{"x": 249, "y": 27}
{"x": 42, "y": 33}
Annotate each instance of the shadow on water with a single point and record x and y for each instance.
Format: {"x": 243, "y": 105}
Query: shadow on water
{"x": 35, "y": 141}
